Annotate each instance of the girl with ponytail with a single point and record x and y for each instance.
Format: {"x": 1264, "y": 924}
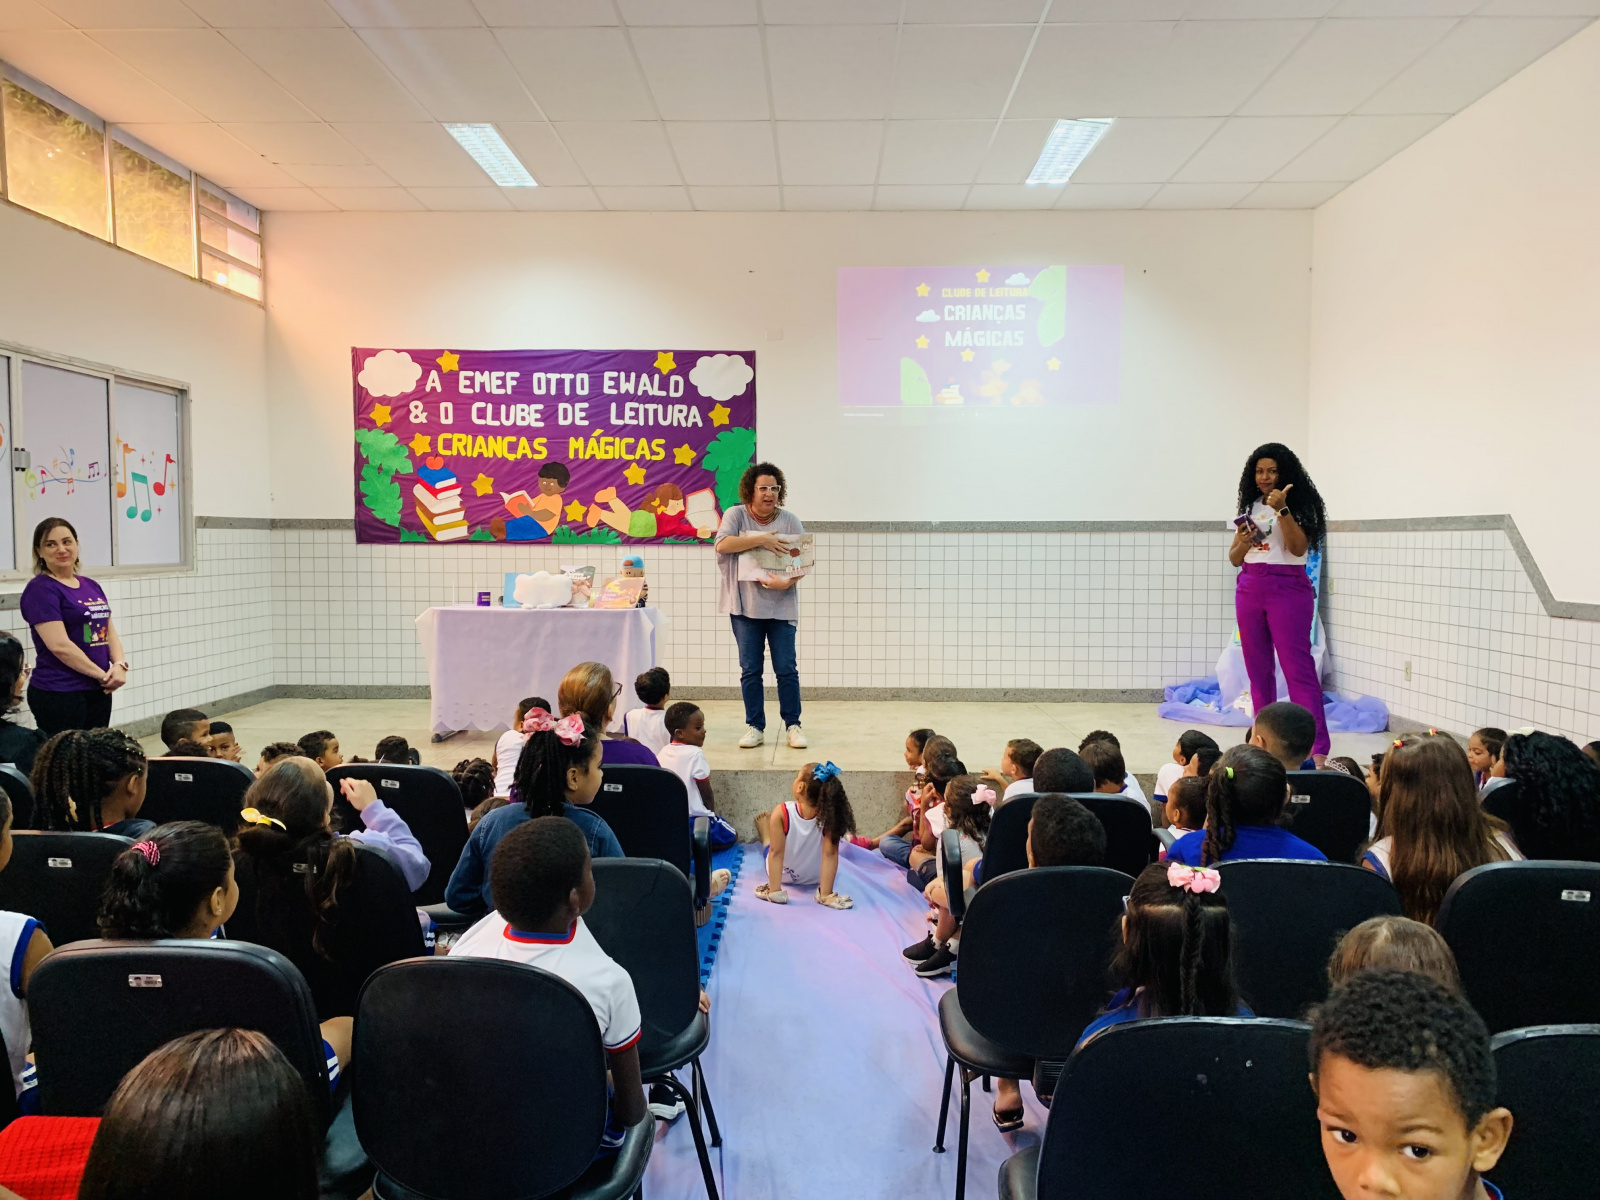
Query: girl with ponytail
{"x": 1245, "y": 795}
{"x": 802, "y": 837}
{"x": 1176, "y": 958}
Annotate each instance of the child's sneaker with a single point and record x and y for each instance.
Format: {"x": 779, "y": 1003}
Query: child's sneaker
{"x": 665, "y": 1104}
{"x": 940, "y": 963}
{"x": 921, "y": 952}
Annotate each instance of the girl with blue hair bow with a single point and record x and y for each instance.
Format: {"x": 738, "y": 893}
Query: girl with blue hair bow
{"x": 802, "y": 837}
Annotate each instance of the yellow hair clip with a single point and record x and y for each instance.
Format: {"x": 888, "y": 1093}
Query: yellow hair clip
{"x": 256, "y": 817}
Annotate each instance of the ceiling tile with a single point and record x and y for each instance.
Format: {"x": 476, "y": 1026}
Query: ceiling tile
{"x": 457, "y": 74}
{"x": 214, "y": 153}
{"x": 1199, "y": 195}
{"x": 1355, "y": 146}
{"x": 1342, "y": 63}
{"x": 420, "y": 154}
{"x": 331, "y": 71}
{"x": 736, "y": 199}
{"x": 1013, "y": 195}
{"x": 1477, "y": 56}
{"x": 1107, "y": 195}
{"x": 1405, "y": 8}
{"x": 545, "y": 13}
{"x": 579, "y": 74}
{"x": 1291, "y": 195}
{"x": 689, "y": 12}
{"x": 553, "y": 199}
{"x": 827, "y": 199}
{"x": 290, "y": 199}
{"x": 901, "y": 199}
{"x": 203, "y": 69}
{"x": 371, "y": 199}
{"x": 1540, "y": 8}
{"x": 725, "y": 153}
{"x": 1257, "y": 10}
{"x": 279, "y": 14}
{"x": 644, "y": 199}
{"x": 1014, "y": 151}
{"x": 125, "y": 14}
{"x": 325, "y": 176}
{"x": 541, "y": 151}
{"x": 1252, "y": 148}
{"x": 407, "y": 14}
{"x": 831, "y": 12}
{"x": 621, "y": 153}
{"x": 465, "y": 199}
{"x": 829, "y": 152}
{"x": 79, "y": 67}
{"x": 972, "y": 12}
{"x": 704, "y": 74}
{"x": 933, "y": 152}
{"x": 1145, "y": 149}
{"x": 308, "y": 142}
{"x": 1064, "y": 12}
{"x": 830, "y": 72}
{"x": 28, "y": 14}
{"x": 951, "y": 71}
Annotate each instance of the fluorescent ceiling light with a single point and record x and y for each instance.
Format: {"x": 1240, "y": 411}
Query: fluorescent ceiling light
{"x": 489, "y": 151}
{"x": 1068, "y": 145}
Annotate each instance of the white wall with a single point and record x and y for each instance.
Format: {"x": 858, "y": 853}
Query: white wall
{"x": 1214, "y": 347}
{"x": 1455, "y": 360}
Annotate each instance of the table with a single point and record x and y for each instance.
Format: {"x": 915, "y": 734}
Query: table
{"x": 482, "y": 661}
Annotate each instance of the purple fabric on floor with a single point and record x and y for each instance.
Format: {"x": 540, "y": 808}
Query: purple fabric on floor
{"x": 825, "y": 1060}
{"x": 1198, "y": 702}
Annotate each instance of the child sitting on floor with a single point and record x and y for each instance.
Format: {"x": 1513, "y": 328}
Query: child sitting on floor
{"x": 968, "y": 806}
{"x": 1015, "y": 776}
{"x": 802, "y": 837}
{"x": 1405, "y": 1085}
{"x": 322, "y": 748}
{"x": 508, "y": 747}
{"x": 895, "y": 842}
{"x": 684, "y": 756}
{"x": 223, "y": 744}
{"x": 1483, "y": 747}
{"x": 107, "y": 770}
{"x": 1189, "y": 743}
{"x": 393, "y": 749}
{"x": 647, "y": 725}
{"x": 942, "y": 766}
{"x": 1394, "y": 944}
{"x": 1245, "y": 795}
{"x": 272, "y": 752}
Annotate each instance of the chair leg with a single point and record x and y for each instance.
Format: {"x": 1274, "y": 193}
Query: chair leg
{"x": 986, "y": 1083}
{"x": 944, "y": 1104}
{"x": 961, "y": 1146}
{"x": 703, "y": 1090}
{"x": 672, "y": 1083}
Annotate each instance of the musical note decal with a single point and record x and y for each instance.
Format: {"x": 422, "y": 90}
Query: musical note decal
{"x": 94, "y": 470}
{"x": 160, "y": 489}
{"x": 144, "y": 515}
{"x": 122, "y": 484}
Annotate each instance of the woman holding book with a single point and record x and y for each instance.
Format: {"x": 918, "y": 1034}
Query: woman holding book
{"x": 763, "y": 613}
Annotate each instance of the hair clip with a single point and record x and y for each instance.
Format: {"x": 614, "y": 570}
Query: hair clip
{"x": 1228, "y": 771}
{"x": 256, "y": 817}
{"x": 151, "y": 852}
{"x": 1399, "y": 742}
{"x": 302, "y": 868}
{"x": 823, "y": 772}
{"x": 1433, "y": 732}
{"x": 1193, "y": 879}
{"x": 569, "y": 729}
{"x": 537, "y": 720}
{"x": 983, "y": 795}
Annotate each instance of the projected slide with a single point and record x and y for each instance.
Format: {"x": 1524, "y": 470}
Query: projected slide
{"x": 980, "y": 336}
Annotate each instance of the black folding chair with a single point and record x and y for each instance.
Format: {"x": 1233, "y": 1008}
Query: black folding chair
{"x": 20, "y": 792}
{"x": 1331, "y": 810}
{"x": 1546, "y": 1078}
{"x": 524, "y": 1046}
{"x": 648, "y": 809}
{"x": 1131, "y": 842}
{"x": 643, "y": 917}
{"x": 952, "y": 873}
{"x": 58, "y": 879}
{"x": 1288, "y": 916}
{"x": 427, "y": 800}
{"x": 1006, "y": 848}
{"x": 1526, "y": 936}
{"x": 1034, "y": 946}
{"x": 1537, "y": 841}
{"x": 196, "y": 789}
{"x": 1241, "y": 1087}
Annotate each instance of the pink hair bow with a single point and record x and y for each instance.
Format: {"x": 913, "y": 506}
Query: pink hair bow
{"x": 151, "y": 852}
{"x": 570, "y": 729}
{"x": 983, "y": 795}
{"x": 537, "y": 720}
{"x": 1193, "y": 879}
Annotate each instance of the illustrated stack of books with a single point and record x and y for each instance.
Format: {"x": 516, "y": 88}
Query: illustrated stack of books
{"x": 439, "y": 501}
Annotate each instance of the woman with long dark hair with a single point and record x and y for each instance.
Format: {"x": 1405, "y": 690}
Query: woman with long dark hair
{"x": 1281, "y": 519}
{"x": 1556, "y": 807}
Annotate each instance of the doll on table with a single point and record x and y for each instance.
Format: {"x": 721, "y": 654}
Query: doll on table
{"x": 633, "y": 568}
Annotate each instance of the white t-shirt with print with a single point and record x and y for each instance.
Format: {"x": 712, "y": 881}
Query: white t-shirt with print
{"x": 1272, "y": 551}
{"x": 688, "y": 763}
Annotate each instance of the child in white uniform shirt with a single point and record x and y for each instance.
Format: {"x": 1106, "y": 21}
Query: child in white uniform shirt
{"x": 509, "y": 748}
{"x": 683, "y": 755}
{"x": 1015, "y": 776}
{"x": 1190, "y": 742}
{"x": 543, "y": 883}
{"x": 647, "y": 725}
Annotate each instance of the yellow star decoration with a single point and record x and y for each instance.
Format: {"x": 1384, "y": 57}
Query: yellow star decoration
{"x": 575, "y": 511}
{"x": 419, "y": 444}
{"x": 664, "y": 361}
{"x": 448, "y": 361}
{"x": 966, "y": 356}
{"x": 683, "y": 456}
{"x": 634, "y": 474}
{"x": 483, "y": 485}
{"x": 983, "y": 276}
{"x": 719, "y": 414}
{"x": 381, "y": 414}
{"x": 922, "y": 343}
{"x": 1053, "y": 363}
{"x": 922, "y": 289}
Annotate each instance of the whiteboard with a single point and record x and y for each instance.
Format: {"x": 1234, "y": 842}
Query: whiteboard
{"x": 147, "y": 511}
{"x": 67, "y": 435}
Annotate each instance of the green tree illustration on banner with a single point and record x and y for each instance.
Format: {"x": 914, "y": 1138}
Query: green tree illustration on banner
{"x": 728, "y": 454}
{"x": 385, "y": 458}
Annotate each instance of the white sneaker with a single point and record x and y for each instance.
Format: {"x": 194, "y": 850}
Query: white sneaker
{"x": 752, "y": 738}
{"x": 797, "y": 738}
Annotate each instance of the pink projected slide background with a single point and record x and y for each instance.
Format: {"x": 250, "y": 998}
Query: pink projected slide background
{"x": 985, "y": 336}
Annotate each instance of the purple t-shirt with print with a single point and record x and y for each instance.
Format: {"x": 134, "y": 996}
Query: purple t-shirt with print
{"x": 85, "y": 612}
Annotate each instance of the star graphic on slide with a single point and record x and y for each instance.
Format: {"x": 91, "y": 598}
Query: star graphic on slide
{"x": 922, "y": 289}
{"x": 719, "y": 413}
{"x": 483, "y": 485}
{"x": 983, "y": 275}
{"x": 575, "y": 511}
{"x": 1053, "y": 363}
{"x": 634, "y": 474}
{"x": 922, "y": 343}
{"x": 664, "y": 361}
{"x": 419, "y": 444}
{"x": 966, "y": 356}
{"x": 381, "y": 414}
{"x": 448, "y": 361}
{"x": 683, "y": 456}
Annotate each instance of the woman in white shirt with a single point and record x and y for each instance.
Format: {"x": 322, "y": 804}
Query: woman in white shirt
{"x": 1280, "y": 520}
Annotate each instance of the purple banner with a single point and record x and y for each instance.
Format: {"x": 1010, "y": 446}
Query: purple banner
{"x": 563, "y": 446}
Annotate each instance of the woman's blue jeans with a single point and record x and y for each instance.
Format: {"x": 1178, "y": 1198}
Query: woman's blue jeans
{"x": 754, "y": 635}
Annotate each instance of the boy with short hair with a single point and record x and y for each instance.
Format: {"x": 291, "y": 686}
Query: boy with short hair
{"x": 684, "y": 756}
{"x": 647, "y": 725}
{"x": 1130, "y": 785}
{"x": 272, "y": 752}
{"x": 1016, "y": 768}
{"x": 223, "y": 743}
{"x": 322, "y": 748}
{"x": 392, "y": 749}
{"x": 542, "y": 882}
{"x": 1286, "y": 731}
{"x": 185, "y": 724}
{"x": 1105, "y": 760}
{"x": 1405, "y": 1085}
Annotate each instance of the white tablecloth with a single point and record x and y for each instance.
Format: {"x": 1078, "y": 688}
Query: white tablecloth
{"x": 482, "y": 661}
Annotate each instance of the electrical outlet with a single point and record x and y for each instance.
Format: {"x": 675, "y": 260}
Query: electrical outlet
{"x": 1408, "y": 672}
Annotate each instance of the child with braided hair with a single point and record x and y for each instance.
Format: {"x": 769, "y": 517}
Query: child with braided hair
{"x": 90, "y": 779}
{"x": 475, "y": 778}
{"x": 802, "y": 837}
{"x": 1245, "y": 795}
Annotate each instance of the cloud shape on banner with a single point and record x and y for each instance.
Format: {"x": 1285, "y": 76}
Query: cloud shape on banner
{"x": 1018, "y": 280}
{"x": 927, "y": 314}
{"x": 721, "y": 376}
{"x": 389, "y": 373}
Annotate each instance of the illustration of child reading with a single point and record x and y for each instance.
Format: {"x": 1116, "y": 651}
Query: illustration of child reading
{"x": 533, "y": 517}
{"x": 661, "y": 516}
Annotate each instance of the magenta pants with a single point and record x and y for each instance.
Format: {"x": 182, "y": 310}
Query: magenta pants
{"x": 1274, "y": 604}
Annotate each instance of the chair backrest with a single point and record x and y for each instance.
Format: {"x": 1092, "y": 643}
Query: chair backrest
{"x": 196, "y": 789}
{"x": 1034, "y": 948}
{"x": 1131, "y": 842}
{"x": 643, "y": 917}
{"x": 1249, "y": 1118}
{"x": 1546, "y": 1078}
{"x": 1535, "y": 841}
{"x": 97, "y": 1008}
{"x": 427, "y": 800}
{"x": 524, "y": 1056}
{"x": 1006, "y": 848}
{"x": 648, "y": 809}
{"x": 58, "y": 878}
{"x": 950, "y": 873}
{"x": 1288, "y": 917}
{"x": 1526, "y": 936}
{"x": 20, "y": 792}
{"x": 1331, "y": 810}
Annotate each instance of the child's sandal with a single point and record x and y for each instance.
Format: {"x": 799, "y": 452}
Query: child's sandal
{"x": 1008, "y": 1121}
{"x": 835, "y": 900}
{"x": 769, "y": 893}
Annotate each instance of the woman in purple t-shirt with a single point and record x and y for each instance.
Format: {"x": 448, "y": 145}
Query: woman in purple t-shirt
{"x": 589, "y": 688}
{"x": 78, "y": 658}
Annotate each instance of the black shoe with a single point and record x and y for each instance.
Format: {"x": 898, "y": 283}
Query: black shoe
{"x": 941, "y": 963}
{"x": 665, "y": 1105}
{"x": 921, "y": 952}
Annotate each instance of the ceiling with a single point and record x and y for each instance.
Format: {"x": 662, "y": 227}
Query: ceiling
{"x": 740, "y": 105}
